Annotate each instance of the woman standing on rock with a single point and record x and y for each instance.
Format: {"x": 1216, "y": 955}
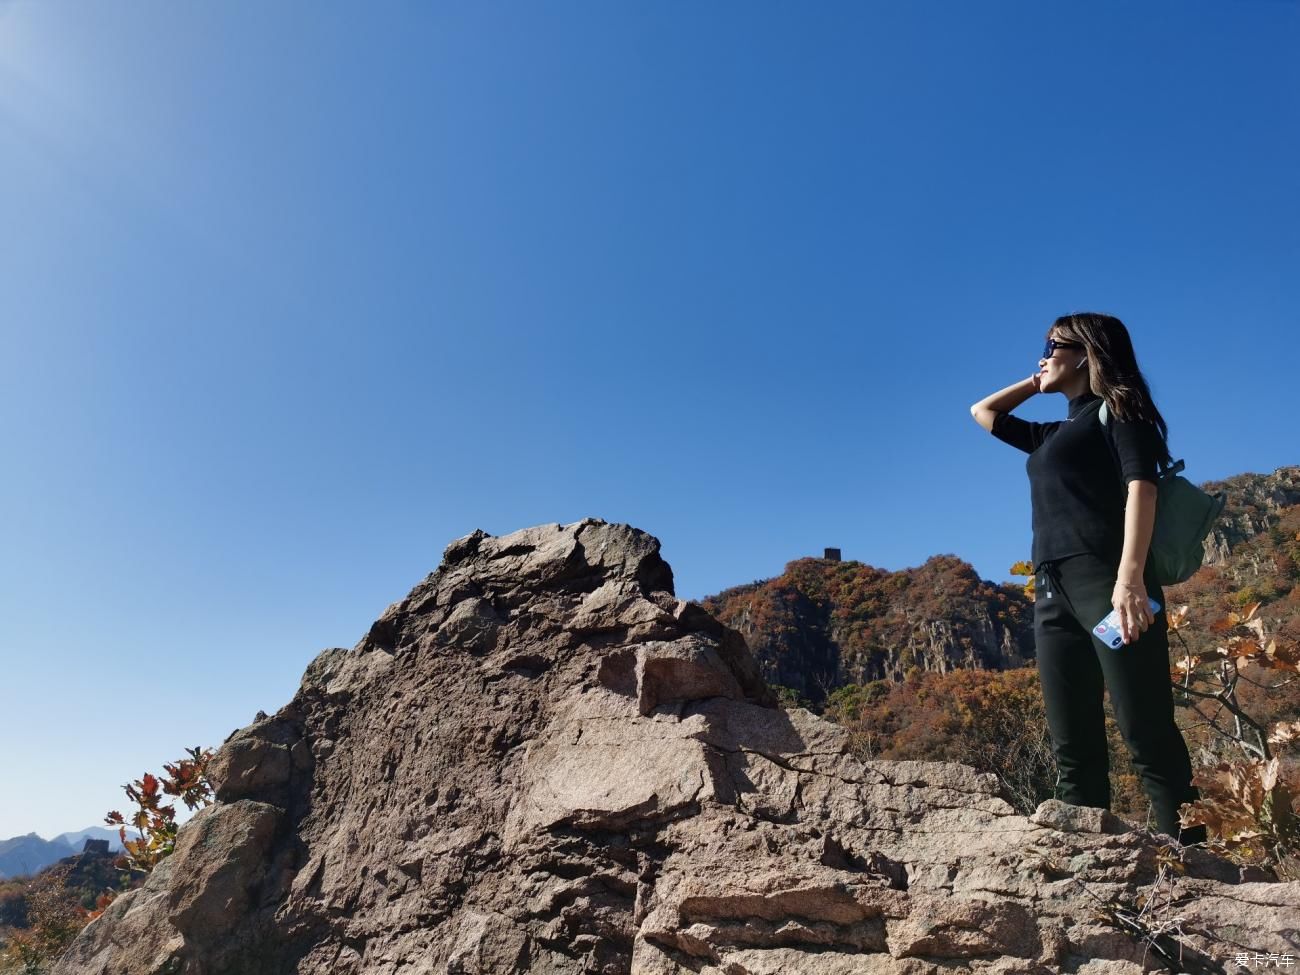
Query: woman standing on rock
{"x": 1093, "y": 493}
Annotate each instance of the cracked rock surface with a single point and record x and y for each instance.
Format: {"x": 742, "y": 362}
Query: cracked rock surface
{"x": 542, "y": 761}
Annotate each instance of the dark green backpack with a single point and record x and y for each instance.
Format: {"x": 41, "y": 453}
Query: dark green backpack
{"x": 1184, "y": 516}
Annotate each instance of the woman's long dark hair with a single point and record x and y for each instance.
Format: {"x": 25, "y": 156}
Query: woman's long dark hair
{"x": 1113, "y": 372}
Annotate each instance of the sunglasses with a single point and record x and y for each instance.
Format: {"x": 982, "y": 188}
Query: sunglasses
{"x": 1052, "y": 345}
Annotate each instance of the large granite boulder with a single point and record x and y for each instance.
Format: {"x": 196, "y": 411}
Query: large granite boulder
{"x": 542, "y": 761}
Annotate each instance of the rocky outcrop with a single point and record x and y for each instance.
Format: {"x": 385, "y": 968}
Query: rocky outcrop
{"x": 542, "y": 761}
{"x": 1253, "y": 503}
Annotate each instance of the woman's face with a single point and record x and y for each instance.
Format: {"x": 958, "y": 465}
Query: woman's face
{"x": 1064, "y": 363}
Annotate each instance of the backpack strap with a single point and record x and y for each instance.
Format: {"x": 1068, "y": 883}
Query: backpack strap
{"x": 1165, "y": 470}
{"x": 1103, "y": 414}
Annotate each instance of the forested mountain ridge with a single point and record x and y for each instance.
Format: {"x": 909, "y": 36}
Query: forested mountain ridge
{"x": 823, "y": 624}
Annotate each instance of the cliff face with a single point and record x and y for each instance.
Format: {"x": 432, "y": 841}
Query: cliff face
{"x": 1254, "y": 502}
{"x": 822, "y": 624}
{"x": 1252, "y": 556}
{"x": 542, "y": 761}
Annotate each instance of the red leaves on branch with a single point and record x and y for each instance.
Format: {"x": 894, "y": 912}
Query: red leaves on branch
{"x": 154, "y": 820}
{"x": 1247, "y": 804}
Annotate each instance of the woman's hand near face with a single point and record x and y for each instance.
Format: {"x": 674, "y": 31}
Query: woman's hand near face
{"x": 1130, "y": 599}
{"x": 1003, "y": 401}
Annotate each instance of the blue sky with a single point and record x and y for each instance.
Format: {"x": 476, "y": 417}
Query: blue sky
{"x": 292, "y": 295}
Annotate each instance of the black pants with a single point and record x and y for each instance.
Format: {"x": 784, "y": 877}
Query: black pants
{"x": 1071, "y": 596}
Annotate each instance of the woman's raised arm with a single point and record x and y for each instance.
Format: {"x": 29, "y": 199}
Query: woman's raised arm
{"x": 1003, "y": 401}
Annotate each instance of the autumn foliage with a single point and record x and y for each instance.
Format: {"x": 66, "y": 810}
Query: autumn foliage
{"x": 155, "y": 820}
{"x": 44, "y": 914}
{"x": 991, "y": 720}
{"x": 1247, "y": 796}
{"x": 53, "y": 919}
{"x": 823, "y": 624}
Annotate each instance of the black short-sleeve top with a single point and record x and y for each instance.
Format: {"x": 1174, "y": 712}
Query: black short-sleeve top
{"x": 1079, "y": 473}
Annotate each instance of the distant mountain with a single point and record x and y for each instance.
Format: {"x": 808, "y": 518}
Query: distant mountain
{"x": 22, "y": 856}
{"x": 78, "y": 840}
